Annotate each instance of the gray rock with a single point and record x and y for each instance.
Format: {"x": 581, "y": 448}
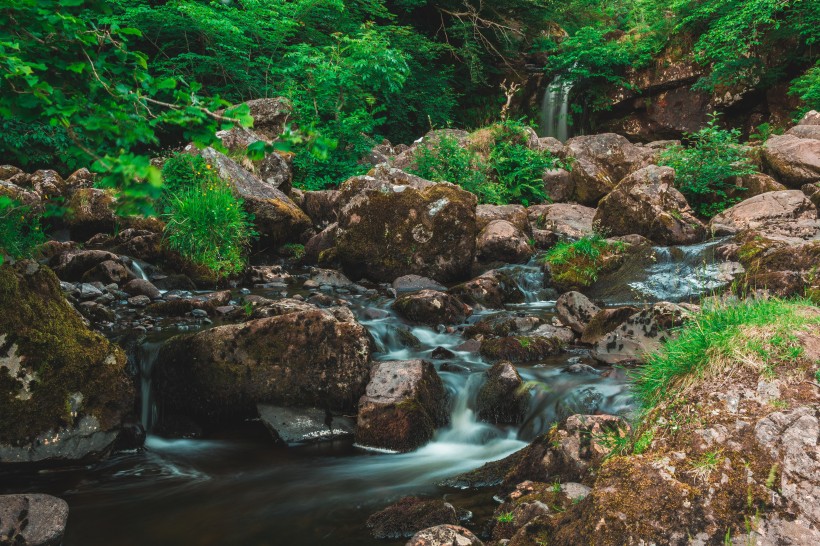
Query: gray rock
{"x": 82, "y": 441}
{"x": 302, "y": 425}
{"x": 32, "y": 520}
{"x": 575, "y": 310}
{"x": 416, "y": 283}
{"x": 445, "y": 535}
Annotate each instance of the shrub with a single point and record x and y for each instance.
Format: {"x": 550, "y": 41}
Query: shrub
{"x": 577, "y": 264}
{"x": 205, "y": 222}
{"x": 20, "y": 231}
{"x": 706, "y": 169}
{"x": 448, "y": 161}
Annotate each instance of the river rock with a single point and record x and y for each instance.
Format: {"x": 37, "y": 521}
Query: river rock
{"x": 404, "y": 403}
{"x": 601, "y": 161}
{"x": 575, "y": 310}
{"x": 408, "y": 516}
{"x": 48, "y": 184}
{"x": 72, "y": 265}
{"x": 647, "y": 203}
{"x": 524, "y": 348}
{"x": 394, "y": 224}
{"x": 300, "y": 425}
{"x": 794, "y": 158}
{"x": 492, "y": 289}
{"x": 322, "y": 207}
{"x": 416, "y": 283}
{"x": 641, "y": 334}
{"x": 785, "y": 213}
{"x": 32, "y": 519}
{"x": 90, "y": 211}
{"x": 445, "y": 535}
{"x": 560, "y": 221}
{"x": 432, "y": 308}
{"x": 558, "y": 185}
{"x": 64, "y": 391}
{"x": 141, "y": 287}
{"x": 499, "y": 400}
{"x": 277, "y": 219}
{"x": 514, "y": 214}
{"x": 301, "y": 357}
{"x": 107, "y": 272}
{"x": 606, "y": 321}
{"x": 501, "y": 241}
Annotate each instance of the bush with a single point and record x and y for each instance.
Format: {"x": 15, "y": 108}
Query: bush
{"x": 577, "y": 264}
{"x": 205, "y": 222}
{"x": 447, "y": 161}
{"x": 706, "y": 169}
{"x": 20, "y": 231}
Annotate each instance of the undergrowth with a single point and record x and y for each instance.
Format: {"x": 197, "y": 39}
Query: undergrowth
{"x": 20, "y": 231}
{"x": 578, "y": 263}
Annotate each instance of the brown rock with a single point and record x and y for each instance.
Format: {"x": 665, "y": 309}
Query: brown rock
{"x": 410, "y": 515}
{"x": 499, "y": 400}
{"x": 514, "y": 214}
{"x": 563, "y": 220}
{"x": 404, "y": 403}
{"x": 492, "y": 289}
{"x": 793, "y": 160}
{"x": 647, "y": 203}
{"x": 606, "y": 321}
{"x": 559, "y": 185}
{"x": 445, "y": 535}
{"x": 785, "y": 213}
{"x": 575, "y": 310}
{"x": 501, "y": 241}
{"x": 432, "y": 307}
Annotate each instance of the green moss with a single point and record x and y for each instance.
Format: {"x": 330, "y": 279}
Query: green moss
{"x": 61, "y": 351}
{"x": 576, "y": 265}
{"x": 520, "y": 349}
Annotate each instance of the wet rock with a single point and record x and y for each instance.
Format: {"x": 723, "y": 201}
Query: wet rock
{"x": 521, "y": 349}
{"x": 72, "y": 265}
{"x": 442, "y": 353}
{"x": 641, "y": 334}
{"x": 499, "y": 400}
{"x": 606, "y": 321}
{"x": 63, "y": 388}
{"x": 575, "y": 310}
{"x": 300, "y": 425}
{"x": 514, "y": 214}
{"x": 322, "y": 207}
{"x": 785, "y": 213}
{"x": 96, "y": 312}
{"x": 647, "y": 203}
{"x": 416, "y": 283}
{"x": 432, "y": 307}
{"x": 321, "y": 248}
{"x": 404, "y": 403}
{"x": 141, "y": 287}
{"x": 90, "y": 211}
{"x": 32, "y": 519}
{"x": 139, "y": 301}
{"x": 298, "y": 358}
{"x": 394, "y": 224}
{"x": 492, "y": 289}
{"x": 445, "y": 535}
{"x": 107, "y": 272}
{"x": 601, "y": 161}
{"x": 408, "y": 516}
{"x": 559, "y": 185}
{"x": 501, "y": 241}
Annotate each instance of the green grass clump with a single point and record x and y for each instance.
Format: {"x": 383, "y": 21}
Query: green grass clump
{"x": 20, "y": 231}
{"x": 205, "y": 221}
{"x": 578, "y": 263}
{"x": 447, "y": 161}
{"x": 757, "y": 334}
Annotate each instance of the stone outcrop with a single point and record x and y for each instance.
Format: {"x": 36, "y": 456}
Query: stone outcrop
{"x": 781, "y": 213}
{"x": 432, "y": 308}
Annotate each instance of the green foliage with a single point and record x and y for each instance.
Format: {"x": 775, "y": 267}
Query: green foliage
{"x": 505, "y": 517}
{"x": 20, "y": 231}
{"x": 447, "y": 161}
{"x": 706, "y": 169}
{"x": 578, "y": 263}
{"x": 807, "y": 89}
{"x": 45, "y": 147}
{"x": 718, "y": 338}
{"x": 205, "y": 222}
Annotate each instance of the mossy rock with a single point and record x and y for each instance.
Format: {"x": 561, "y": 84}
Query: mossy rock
{"x": 521, "y": 349}
{"x": 54, "y": 371}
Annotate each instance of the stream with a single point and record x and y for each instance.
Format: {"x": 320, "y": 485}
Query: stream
{"x": 237, "y": 487}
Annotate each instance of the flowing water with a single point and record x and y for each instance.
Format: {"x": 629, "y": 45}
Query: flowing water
{"x": 554, "y": 115}
{"x": 237, "y": 487}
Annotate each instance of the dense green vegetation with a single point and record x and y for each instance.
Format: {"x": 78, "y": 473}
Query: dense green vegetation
{"x": 577, "y": 264}
{"x": 205, "y": 222}
{"x": 20, "y": 230}
{"x": 706, "y": 169}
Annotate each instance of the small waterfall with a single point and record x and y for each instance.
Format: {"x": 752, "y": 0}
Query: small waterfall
{"x": 554, "y": 115}
{"x": 147, "y": 354}
{"x": 137, "y": 269}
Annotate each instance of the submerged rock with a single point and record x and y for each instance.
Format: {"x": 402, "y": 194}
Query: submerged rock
{"x": 64, "y": 391}
{"x": 32, "y": 520}
{"x": 395, "y": 224}
{"x": 301, "y": 425}
{"x": 410, "y": 515}
{"x": 404, "y": 403}
{"x": 302, "y": 356}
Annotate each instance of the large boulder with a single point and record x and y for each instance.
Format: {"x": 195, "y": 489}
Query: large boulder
{"x": 492, "y": 289}
{"x": 793, "y": 158}
{"x": 500, "y": 400}
{"x": 514, "y": 214}
{"x": 404, "y": 403}
{"x": 501, "y": 241}
{"x": 647, "y": 203}
{"x": 89, "y": 211}
{"x": 410, "y": 515}
{"x": 641, "y": 334}
{"x": 575, "y": 310}
{"x": 432, "y": 307}
{"x": 601, "y": 161}
{"x": 394, "y": 224}
{"x": 299, "y": 356}
{"x": 783, "y": 213}
{"x": 64, "y": 391}
{"x": 32, "y": 520}
{"x": 277, "y": 219}
{"x": 559, "y": 222}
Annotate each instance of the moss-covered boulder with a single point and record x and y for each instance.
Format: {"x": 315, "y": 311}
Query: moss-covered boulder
{"x": 410, "y": 515}
{"x": 432, "y": 307}
{"x": 404, "y": 404}
{"x": 393, "y": 224}
{"x": 500, "y": 400}
{"x": 63, "y": 388}
{"x": 299, "y": 357}
{"x": 89, "y": 211}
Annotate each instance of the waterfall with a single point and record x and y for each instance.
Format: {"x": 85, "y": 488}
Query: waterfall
{"x": 147, "y": 355}
{"x": 137, "y": 269}
{"x": 554, "y": 116}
